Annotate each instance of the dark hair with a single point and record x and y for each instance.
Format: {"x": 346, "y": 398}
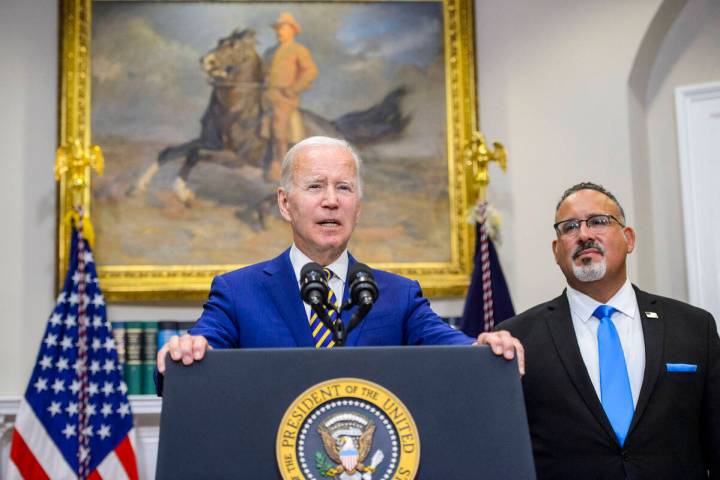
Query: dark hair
{"x": 590, "y": 186}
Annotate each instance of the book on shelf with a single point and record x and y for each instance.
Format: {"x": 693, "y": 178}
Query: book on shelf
{"x": 138, "y": 343}
{"x": 119, "y": 335}
{"x": 183, "y": 327}
{"x": 133, "y": 357}
{"x": 149, "y": 352}
{"x": 165, "y": 331}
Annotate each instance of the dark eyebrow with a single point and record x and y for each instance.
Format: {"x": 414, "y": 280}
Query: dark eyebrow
{"x": 589, "y": 216}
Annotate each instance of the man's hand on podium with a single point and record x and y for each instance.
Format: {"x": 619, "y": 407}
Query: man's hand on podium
{"x": 188, "y": 348}
{"x": 192, "y": 348}
{"x": 502, "y": 343}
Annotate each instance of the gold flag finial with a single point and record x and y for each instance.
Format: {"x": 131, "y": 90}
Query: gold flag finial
{"x": 73, "y": 161}
{"x": 477, "y": 159}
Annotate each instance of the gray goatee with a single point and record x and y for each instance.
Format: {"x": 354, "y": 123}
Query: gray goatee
{"x": 589, "y": 271}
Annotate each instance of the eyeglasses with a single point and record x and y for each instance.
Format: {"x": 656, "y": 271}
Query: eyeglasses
{"x": 571, "y": 227}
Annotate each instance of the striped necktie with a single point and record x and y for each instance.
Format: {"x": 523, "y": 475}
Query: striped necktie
{"x": 615, "y": 393}
{"x": 322, "y": 336}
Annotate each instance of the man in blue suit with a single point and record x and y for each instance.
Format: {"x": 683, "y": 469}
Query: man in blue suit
{"x": 260, "y": 305}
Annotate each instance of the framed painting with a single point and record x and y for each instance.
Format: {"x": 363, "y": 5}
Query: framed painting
{"x": 179, "y": 98}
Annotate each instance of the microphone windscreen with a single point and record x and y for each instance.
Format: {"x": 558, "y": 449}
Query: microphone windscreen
{"x": 363, "y": 288}
{"x": 310, "y": 267}
{"x": 356, "y": 268}
{"x": 313, "y": 284}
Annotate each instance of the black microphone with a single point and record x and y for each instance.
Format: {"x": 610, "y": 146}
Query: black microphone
{"x": 363, "y": 292}
{"x": 313, "y": 285}
{"x": 363, "y": 289}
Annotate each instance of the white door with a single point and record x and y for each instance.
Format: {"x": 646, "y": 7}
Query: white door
{"x": 698, "y": 123}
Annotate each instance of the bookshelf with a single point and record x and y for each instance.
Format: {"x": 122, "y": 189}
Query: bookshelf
{"x": 137, "y": 344}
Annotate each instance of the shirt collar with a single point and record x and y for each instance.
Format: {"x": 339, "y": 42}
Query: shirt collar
{"x": 339, "y": 267}
{"x": 623, "y": 301}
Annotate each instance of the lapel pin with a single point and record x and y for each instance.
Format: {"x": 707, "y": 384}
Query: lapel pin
{"x": 651, "y": 315}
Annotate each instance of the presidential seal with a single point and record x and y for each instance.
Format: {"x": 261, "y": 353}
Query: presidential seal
{"x": 347, "y": 429}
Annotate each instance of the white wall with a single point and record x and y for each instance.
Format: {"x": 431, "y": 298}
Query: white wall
{"x": 553, "y": 80}
{"x": 28, "y": 113}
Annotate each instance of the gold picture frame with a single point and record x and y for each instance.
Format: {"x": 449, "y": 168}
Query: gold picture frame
{"x": 148, "y": 281}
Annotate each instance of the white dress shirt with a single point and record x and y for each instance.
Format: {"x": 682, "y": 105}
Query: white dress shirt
{"x": 628, "y": 325}
{"x": 339, "y": 268}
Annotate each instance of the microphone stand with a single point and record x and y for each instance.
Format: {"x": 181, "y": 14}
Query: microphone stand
{"x": 339, "y": 331}
{"x": 337, "y": 327}
{"x": 355, "y": 319}
{"x": 314, "y": 290}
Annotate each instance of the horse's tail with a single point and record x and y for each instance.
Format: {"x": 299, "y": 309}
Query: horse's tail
{"x": 176, "y": 151}
{"x": 382, "y": 121}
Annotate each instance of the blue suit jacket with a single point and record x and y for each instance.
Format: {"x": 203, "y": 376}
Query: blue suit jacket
{"x": 260, "y": 306}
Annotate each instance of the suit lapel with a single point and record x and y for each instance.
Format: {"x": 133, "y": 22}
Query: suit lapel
{"x": 559, "y": 321}
{"x": 282, "y": 286}
{"x": 653, "y": 334}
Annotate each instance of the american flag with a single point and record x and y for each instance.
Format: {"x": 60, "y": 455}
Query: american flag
{"x": 74, "y": 420}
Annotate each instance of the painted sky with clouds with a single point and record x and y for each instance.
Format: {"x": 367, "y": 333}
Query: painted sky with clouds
{"x": 147, "y": 82}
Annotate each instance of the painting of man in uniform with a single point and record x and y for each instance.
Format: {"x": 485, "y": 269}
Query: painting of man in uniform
{"x": 289, "y": 70}
{"x": 195, "y": 105}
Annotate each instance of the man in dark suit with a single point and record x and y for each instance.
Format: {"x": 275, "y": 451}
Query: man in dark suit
{"x": 620, "y": 383}
{"x": 260, "y": 305}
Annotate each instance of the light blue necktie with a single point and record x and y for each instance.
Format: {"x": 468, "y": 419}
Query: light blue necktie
{"x": 615, "y": 393}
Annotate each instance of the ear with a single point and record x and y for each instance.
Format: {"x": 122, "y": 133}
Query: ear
{"x": 629, "y": 234}
{"x": 555, "y": 251}
{"x": 284, "y": 204}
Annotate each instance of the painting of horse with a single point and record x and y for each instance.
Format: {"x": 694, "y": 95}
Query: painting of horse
{"x": 177, "y": 107}
{"x": 230, "y": 132}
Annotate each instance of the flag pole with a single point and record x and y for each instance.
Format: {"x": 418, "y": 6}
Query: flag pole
{"x": 478, "y": 157}
{"x": 82, "y": 356}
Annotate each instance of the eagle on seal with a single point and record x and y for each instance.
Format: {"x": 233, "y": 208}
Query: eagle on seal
{"x": 344, "y": 450}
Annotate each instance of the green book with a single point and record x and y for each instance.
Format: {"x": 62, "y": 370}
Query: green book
{"x": 133, "y": 357}
{"x": 149, "y": 352}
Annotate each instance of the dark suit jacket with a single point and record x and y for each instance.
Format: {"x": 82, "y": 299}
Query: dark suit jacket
{"x": 675, "y": 432}
{"x": 260, "y": 306}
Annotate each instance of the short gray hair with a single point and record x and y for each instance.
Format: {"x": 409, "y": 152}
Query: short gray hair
{"x": 591, "y": 186}
{"x": 292, "y": 154}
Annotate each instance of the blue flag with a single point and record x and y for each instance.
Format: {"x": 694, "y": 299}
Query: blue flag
{"x": 74, "y": 420}
{"x": 488, "y": 299}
